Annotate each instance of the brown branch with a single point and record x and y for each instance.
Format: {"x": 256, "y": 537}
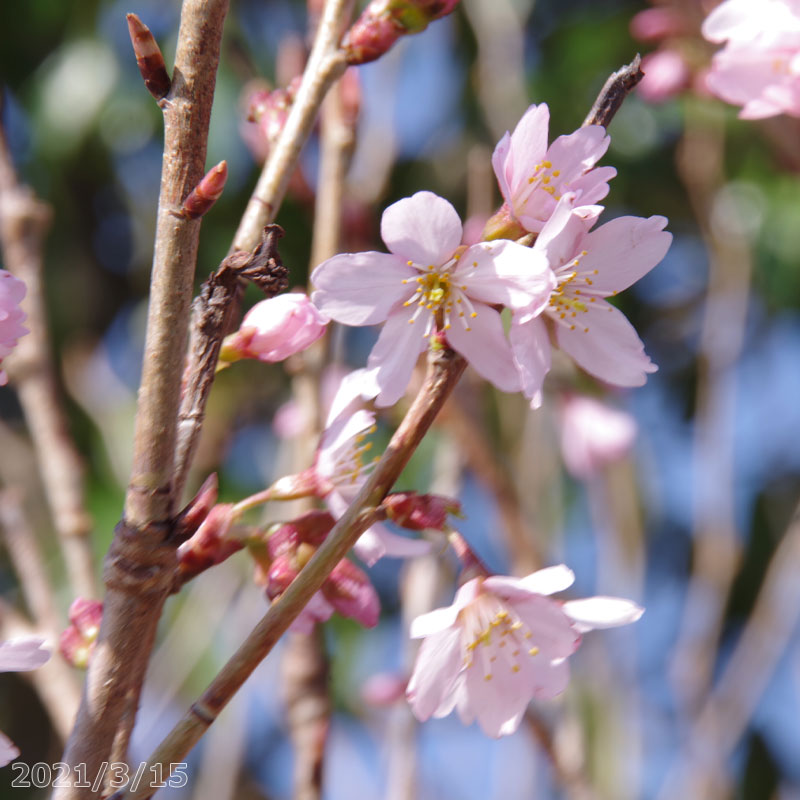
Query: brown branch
{"x": 141, "y": 561}
{"x": 24, "y": 221}
{"x": 445, "y": 368}
{"x": 212, "y": 312}
{"x": 325, "y": 64}
{"x": 614, "y": 91}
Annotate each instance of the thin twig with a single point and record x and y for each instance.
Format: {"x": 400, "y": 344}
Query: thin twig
{"x": 614, "y": 91}
{"x": 325, "y": 64}
{"x": 212, "y": 311}
{"x": 24, "y": 221}
{"x": 141, "y": 560}
{"x": 445, "y": 368}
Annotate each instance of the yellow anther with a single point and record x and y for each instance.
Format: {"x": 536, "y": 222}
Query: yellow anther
{"x": 474, "y": 314}
{"x": 515, "y": 668}
{"x": 534, "y": 651}
{"x": 467, "y": 329}
{"x": 410, "y": 263}
{"x": 547, "y": 164}
{"x": 546, "y": 179}
{"x": 487, "y": 677}
{"x": 556, "y": 173}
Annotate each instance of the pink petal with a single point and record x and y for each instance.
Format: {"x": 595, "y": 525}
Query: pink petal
{"x": 21, "y": 655}
{"x": 610, "y": 350}
{"x": 527, "y": 147}
{"x": 496, "y": 702}
{"x": 729, "y": 19}
{"x": 561, "y": 237}
{"x": 530, "y": 344}
{"x": 8, "y": 751}
{"x": 593, "y": 186}
{"x": 348, "y": 397}
{"x": 318, "y": 609}
{"x": 551, "y": 629}
{"x": 378, "y": 541}
{"x": 394, "y": 355}
{"x": 624, "y": 250}
{"x": 361, "y": 288}
{"x": 505, "y": 273}
{"x": 440, "y": 618}
{"x": 551, "y": 679}
{"x": 436, "y": 669}
{"x": 485, "y": 347}
{"x": 549, "y": 580}
{"x": 338, "y": 437}
{"x": 500, "y": 158}
{"x": 577, "y": 152}
{"x": 423, "y": 228}
{"x": 602, "y": 612}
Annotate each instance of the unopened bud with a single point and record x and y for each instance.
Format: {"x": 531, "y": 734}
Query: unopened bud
{"x": 197, "y": 509}
{"x": 350, "y": 592}
{"x": 266, "y": 113}
{"x": 310, "y": 528}
{"x": 418, "y": 512}
{"x": 77, "y": 642}
{"x": 383, "y": 22}
{"x": 206, "y": 193}
{"x": 149, "y": 58}
{"x": 275, "y": 329}
{"x": 210, "y": 545}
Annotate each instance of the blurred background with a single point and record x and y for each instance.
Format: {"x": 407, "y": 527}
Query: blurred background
{"x": 691, "y": 518}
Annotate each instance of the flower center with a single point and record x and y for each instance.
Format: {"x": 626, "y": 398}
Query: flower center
{"x": 494, "y": 634}
{"x": 542, "y": 179}
{"x": 574, "y": 293}
{"x": 351, "y": 466}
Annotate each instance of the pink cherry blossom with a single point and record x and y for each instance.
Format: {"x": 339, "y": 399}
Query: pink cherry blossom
{"x": 759, "y": 67}
{"x": 665, "y": 75}
{"x": 593, "y": 435}
{"x": 534, "y": 177}
{"x": 12, "y": 290}
{"x": 589, "y": 266}
{"x": 429, "y": 282}
{"x": 19, "y": 655}
{"x": 503, "y": 642}
{"x": 275, "y": 329}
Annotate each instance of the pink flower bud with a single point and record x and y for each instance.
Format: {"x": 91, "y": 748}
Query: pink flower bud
{"x": 275, "y": 329}
{"x": 210, "y": 545}
{"x": 12, "y": 290}
{"x": 86, "y": 616}
{"x": 383, "y": 689}
{"x": 77, "y": 642}
{"x": 207, "y": 192}
{"x": 310, "y": 528}
{"x": 593, "y": 435}
{"x": 350, "y": 592}
{"x": 198, "y": 508}
{"x": 280, "y": 574}
{"x": 418, "y": 512}
{"x": 655, "y": 24}
{"x": 267, "y": 112}
{"x": 665, "y": 75}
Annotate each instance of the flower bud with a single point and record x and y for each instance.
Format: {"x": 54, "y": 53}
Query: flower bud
{"x": 266, "y": 113}
{"x": 275, "y": 329}
{"x": 349, "y": 591}
{"x": 77, "y": 642}
{"x": 383, "y": 22}
{"x": 197, "y": 509}
{"x": 418, "y": 512}
{"x": 206, "y": 193}
{"x": 665, "y": 75}
{"x": 210, "y": 545}
{"x": 309, "y": 528}
{"x": 149, "y": 58}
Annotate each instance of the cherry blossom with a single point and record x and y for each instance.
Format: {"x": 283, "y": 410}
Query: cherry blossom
{"x": 593, "y": 435}
{"x": 589, "y": 267}
{"x": 275, "y": 329}
{"x": 759, "y": 67}
{"x": 12, "y": 290}
{"x": 19, "y": 655}
{"x": 534, "y": 177}
{"x": 503, "y": 642}
{"x": 429, "y": 282}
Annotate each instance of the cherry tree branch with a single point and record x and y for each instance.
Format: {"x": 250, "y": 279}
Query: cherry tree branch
{"x": 616, "y": 88}
{"x": 24, "y": 221}
{"x": 445, "y": 368}
{"x": 141, "y": 560}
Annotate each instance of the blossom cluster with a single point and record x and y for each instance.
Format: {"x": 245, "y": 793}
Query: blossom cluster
{"x": 759, "y": 66}
{"x": 430, "y": 285}
{"x": 12, "y": 290}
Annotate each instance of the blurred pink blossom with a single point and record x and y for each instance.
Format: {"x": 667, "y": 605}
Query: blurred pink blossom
{"x": 428, "y": 274}
{"x": 655, "y": 24}
{"x": 383, "y": 689}
{"x": 19, "y": 655}
{"x": 534, "y": 177}
{"x": 759, "y": 66}
{"x": 589, "y": 267}
{"x": 77, "y": 642}
{"x": 593, "y": 435}
{"x": 275, "y": 329}
{"x": 665, "y": 75}
{"x": 503, "y": 642}
{"x": 12, "y": 290}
